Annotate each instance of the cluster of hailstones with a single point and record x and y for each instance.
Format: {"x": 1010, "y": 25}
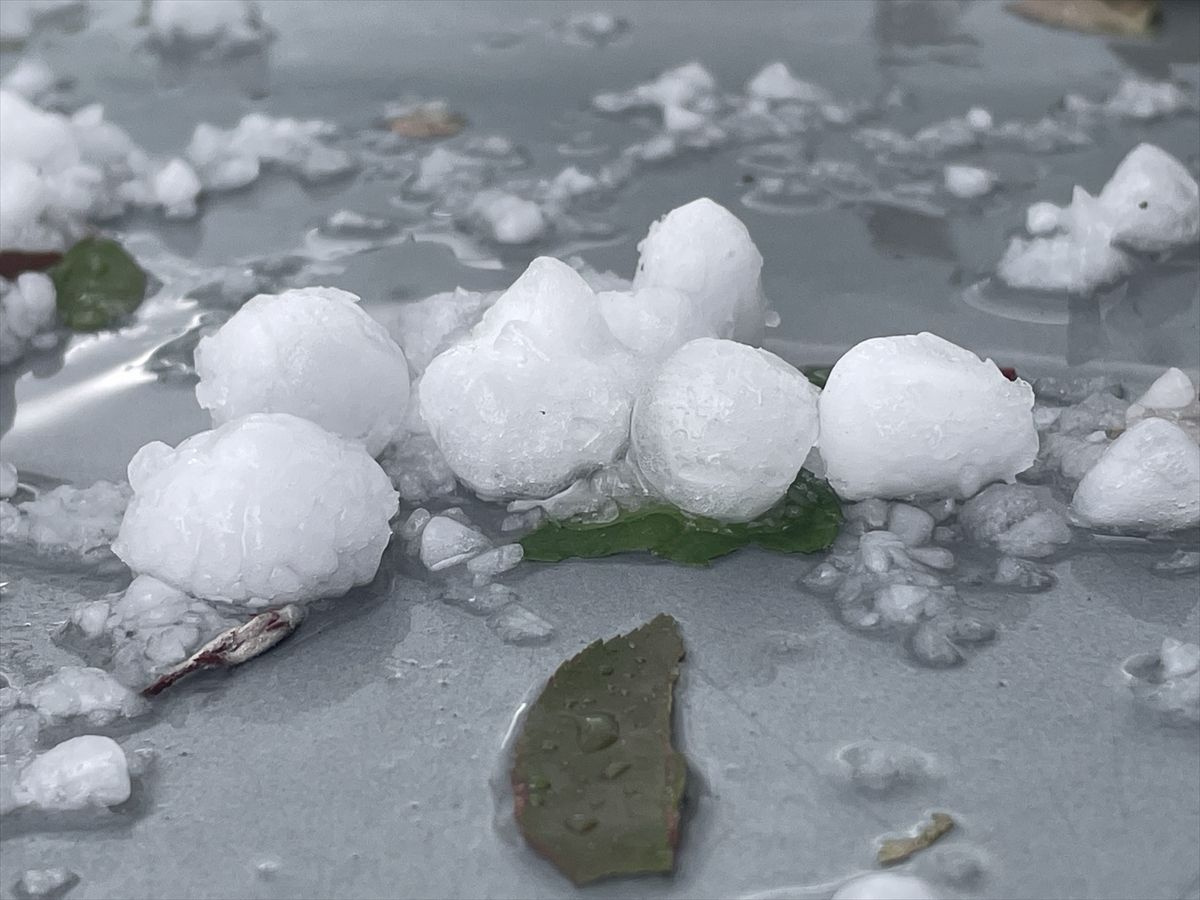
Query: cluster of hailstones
{"x": 284, "y": 500}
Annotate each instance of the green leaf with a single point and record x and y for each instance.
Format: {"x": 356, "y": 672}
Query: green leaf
{"x": 818, "y": 375}
{"x": 98, "y": 284}
{"x": 597, "y": 784}
{"x": 805, "y": 521}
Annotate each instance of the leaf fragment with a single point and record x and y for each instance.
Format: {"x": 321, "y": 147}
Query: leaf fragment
{"x": 597, "y": 783}
{"x": 97, "y": 284}
{"x": 235, "y": 646}
{"x": 427, "y": 120}
{"x": 804, "y": 521}
{"x": 896, "y": 850}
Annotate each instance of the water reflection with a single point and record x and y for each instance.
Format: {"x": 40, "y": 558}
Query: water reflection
{"x": 915, "y": 31}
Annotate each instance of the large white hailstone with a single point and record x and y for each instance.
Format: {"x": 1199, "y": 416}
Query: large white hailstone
{"x": 1148, "y": 480}
{"x": 1154, "y": 201}
{"x": 266, "y": 509}
{"x": 311, "y": 352}
{"x": 538, "y": 394}
{"x": 704, "y": 250}
{"x": 722, "y": 429}
{"x": 915, "y": 415}
{"x": 85, "y": 771}
{"x": 885, "y": 886}
{"x": 653, "y": 321}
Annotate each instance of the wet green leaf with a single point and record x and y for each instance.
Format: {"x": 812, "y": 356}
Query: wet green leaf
{"x": 805, "y": 521}
{"x": 98, "y": 284}
{"x": 818, "y": 375}
{"x": 597, "y": 784}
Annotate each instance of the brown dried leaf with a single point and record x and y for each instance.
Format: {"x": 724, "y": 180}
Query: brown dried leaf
{"x": 431, "y": 120}
{"x": 1123, "y": 17}
{"x": 897, "y": 850}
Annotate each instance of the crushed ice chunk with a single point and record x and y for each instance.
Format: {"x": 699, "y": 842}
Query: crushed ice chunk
{"x": 1023, "y": 574}
{"x": 29, "y": 314}
{"x": 539, "y": 394}
{"x": 872, "y": 512}
{"x": 78, "y": 691}
{"x": 415, "y": 524}
{"x": 8, "y": 480}
{"x": 517, "y": 625}
{"x": 1151, "y": 204}
{"x": 279, "y": 511}
{"x": 68, "y": 520}
{"x": 311, "y": 352}
{"x": 202, "y": 23}
{"x": 682, "y": 94}
{"x": 931, "y": 646}
{"x": 1171, "y": 390}
{"x": 915, "y": 415}
{"x": 885, "y": 886}
{"x": 911, "y": 524}
{"x": 36, "y": 884}
{"x": 446, "y": 543}
{"x": 969, "y": 182}
{"x": 507, "y": 218}
{"x": 722, "y": 429}
{"x": 1178, "y": 658}
{"x": 1018, "y": 519}
{"x": 1137, "y": 98}
{"x": 1148, "y": 480}
{"x": 19, "y": 730}
{"x": 496, "y": 561}
{"x": 880, "y": 767}
{"x": 706, "y": 252}
{"x": 934, "y": 557}
{"x": 227, "y": 159}
{"x": 86, "y": 771}
{"x": 1181, "y": 562}
{"x": 775, "y": 81}
{"x": 904, "y": 604}
{"x": 417, "y": 469}
{"x": 176, "y": 187}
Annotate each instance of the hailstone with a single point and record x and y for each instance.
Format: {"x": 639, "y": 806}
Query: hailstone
{"x": 704, "y": 250}
{"x": 269, "y": 508}
{"x": 313, "y": 353}
{"x": 722, "y": 429}
{"x": 915, "y": 415}
{"x": 537, "y": 395}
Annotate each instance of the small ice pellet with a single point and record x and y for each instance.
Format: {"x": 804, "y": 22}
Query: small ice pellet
{"x": 415, "y": 524}
{"x": 873, "y": 513}
{"x": 903, "y": 604}
{"x": 913, "y": 525}
{"x": 496, "y": 561}
{"x": 969, "y": 182}
{"x": 38, "y": 883}
{"x": 979, "y": 118}
{"x": 1042, "y": 218}
{"x": 935, "y": 557}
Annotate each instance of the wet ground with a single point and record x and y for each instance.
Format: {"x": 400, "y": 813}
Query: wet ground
{"x": 358, "y": 759}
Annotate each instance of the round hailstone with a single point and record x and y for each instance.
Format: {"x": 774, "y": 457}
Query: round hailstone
{"x": 722, "y": 429}
{"x": 915, "y": 415}
{"x": 266, "y": 509}
{"x": 705, "y": 251}
{"x": 538, "y": 395}
{"x": 653, "y": 321}
{"x": 1148, "y": 480}
{"x": 313, "y": 353}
